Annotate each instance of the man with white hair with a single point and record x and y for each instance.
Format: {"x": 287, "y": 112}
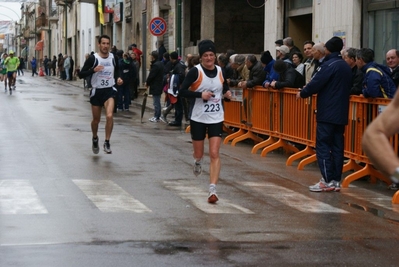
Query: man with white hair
{"x": 240, "y": 70}
{"x": 392, "y": 58}
{"x": 290, "y": 43}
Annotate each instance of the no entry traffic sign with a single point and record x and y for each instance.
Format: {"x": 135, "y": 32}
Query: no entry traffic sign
{"x": 157, "y": 26}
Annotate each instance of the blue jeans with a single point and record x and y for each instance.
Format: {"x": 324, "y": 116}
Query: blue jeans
{"x": 157, "y": 105}
{"x": 67, "y": 73}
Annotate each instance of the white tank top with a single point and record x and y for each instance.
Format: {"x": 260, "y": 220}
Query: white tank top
{"x": 104, "y": 78}
{"x": 210, "y": 111}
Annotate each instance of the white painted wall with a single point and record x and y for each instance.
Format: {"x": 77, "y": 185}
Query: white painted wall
{"x": 337, "y": 15}
{"x": 273, "y": 24}
{"x": 88, "y": 31}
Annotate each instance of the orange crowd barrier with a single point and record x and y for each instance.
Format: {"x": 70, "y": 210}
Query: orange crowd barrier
{"x": 276, "y": 119}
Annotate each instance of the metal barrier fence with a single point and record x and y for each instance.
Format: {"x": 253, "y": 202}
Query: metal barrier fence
{"x": 276, "y": 119}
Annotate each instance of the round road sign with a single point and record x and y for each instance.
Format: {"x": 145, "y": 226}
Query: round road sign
{"x": 157, "y": 26}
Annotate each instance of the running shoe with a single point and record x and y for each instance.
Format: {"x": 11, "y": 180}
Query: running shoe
{"x": 322, "y": 186}
{"x": 213, "y": 197}
{"x": 197, "y": 168}
{"x": 13, "y": 88}
{"x": 95, "y": 146}
{"x": 107, "y": 148}
{"x": 153, "y": 119}
{"x": 337, "y": 185}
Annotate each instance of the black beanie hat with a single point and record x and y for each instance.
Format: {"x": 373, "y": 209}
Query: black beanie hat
{"x": 174, "y": 55}
{"x": 335, "y": 44}
{"x": 280, "y": 66}
{"x": 266, "y": 58}
{"x": 205, "y": 46}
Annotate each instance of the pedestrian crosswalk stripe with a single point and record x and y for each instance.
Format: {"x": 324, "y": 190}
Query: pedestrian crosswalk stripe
{"x": 110, "y": 197}
{"x": 198, "y": 197}
{"x": 293, "y": 199}
{"x": 19, "y": 197}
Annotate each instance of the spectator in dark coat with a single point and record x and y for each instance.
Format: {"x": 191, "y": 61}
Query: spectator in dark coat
{"x": 155, "y": 82}
{"x": 290, "y": 43}
{"x": 161, "y": 50}
{"x": 128, "y": 74}
{"x": 349, "y": 55}
{"x": 61, "y": 70}
{"x": 332, "y": 85}
{"x": 256, "y": 73}
{"x": 72, "y": 65}
{"x": 179, "y": 69}
{"x": 392, "y": 58}
{"x": 288, "y": 76}
{"x": 377, "y": 80}
{"x": 54, "y": 65}
{"x": 45, "y": 64}
{"x": 256, "y": 78}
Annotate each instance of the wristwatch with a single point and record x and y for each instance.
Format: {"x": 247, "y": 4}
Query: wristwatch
{"x": 395, "y": 176}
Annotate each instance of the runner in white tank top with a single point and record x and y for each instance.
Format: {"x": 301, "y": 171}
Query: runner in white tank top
{"x": 206, "y": 87}
{"x": 104, "y": 70}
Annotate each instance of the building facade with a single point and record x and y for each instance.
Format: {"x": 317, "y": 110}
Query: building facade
{"x": 50, "y": 27}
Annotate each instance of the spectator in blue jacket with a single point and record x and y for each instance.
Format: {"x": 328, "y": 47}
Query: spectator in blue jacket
{"x": 332, "y": 84}
{"x": 267, "y": 63}
{"x": 377, "y": 80}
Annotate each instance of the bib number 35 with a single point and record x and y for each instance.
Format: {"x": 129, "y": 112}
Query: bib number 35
{"x": 104, "y": 82}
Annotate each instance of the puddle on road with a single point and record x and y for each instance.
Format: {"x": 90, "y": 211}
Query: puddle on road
{"x": 374, "y": 211}
{"x": 64, "y": 108}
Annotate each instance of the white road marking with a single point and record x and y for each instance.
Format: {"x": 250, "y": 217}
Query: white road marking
{"x": 110, "y": 197}
{"x": 19, "y": 197}
{"x": 293, "y": 199}
{"x": 198, "y": 197}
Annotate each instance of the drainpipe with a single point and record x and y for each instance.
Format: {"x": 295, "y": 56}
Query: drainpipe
{"x": 179, "y": 26}
{"x": 66, "y": 29}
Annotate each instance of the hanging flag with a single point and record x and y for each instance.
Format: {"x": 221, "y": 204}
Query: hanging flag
{"x": 100, "y": 11}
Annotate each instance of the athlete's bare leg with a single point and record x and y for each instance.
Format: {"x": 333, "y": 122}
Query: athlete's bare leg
{"x": 109, "y": 114}
{"x": 96, "y": 111}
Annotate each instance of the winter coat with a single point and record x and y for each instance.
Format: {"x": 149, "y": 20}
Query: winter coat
{"x": 256, "y": 75}
{"x": 332, "y": 84}
{"x": 377, "y": 81}
{"x": 155, "y": 77}
{"x": 127, "y": 71}
{"x": 290, "y": 78}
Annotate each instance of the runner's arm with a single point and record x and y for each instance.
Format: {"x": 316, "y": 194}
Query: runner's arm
{"x": 87, "y": 69}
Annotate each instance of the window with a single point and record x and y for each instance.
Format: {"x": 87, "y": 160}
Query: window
{"x": 295, "y": 4}
{"x": 383, "y": 32}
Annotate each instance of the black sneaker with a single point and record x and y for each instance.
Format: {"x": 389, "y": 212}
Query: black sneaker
{"x": 107, "y": 148}
{"x": 95, "y": 146}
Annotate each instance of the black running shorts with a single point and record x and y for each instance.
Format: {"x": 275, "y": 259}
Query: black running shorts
{"x": 199, "y": 130}
{"x": 99, "y": 96}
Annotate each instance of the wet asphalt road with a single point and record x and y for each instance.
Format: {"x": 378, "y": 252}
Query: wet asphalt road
{"x": 61, "y": 205}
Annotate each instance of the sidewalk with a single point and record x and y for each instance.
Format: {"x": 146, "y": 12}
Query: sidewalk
{"x": 137, "y": 102}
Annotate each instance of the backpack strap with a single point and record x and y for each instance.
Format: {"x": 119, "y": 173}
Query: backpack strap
{"x": 380, "y": 72}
